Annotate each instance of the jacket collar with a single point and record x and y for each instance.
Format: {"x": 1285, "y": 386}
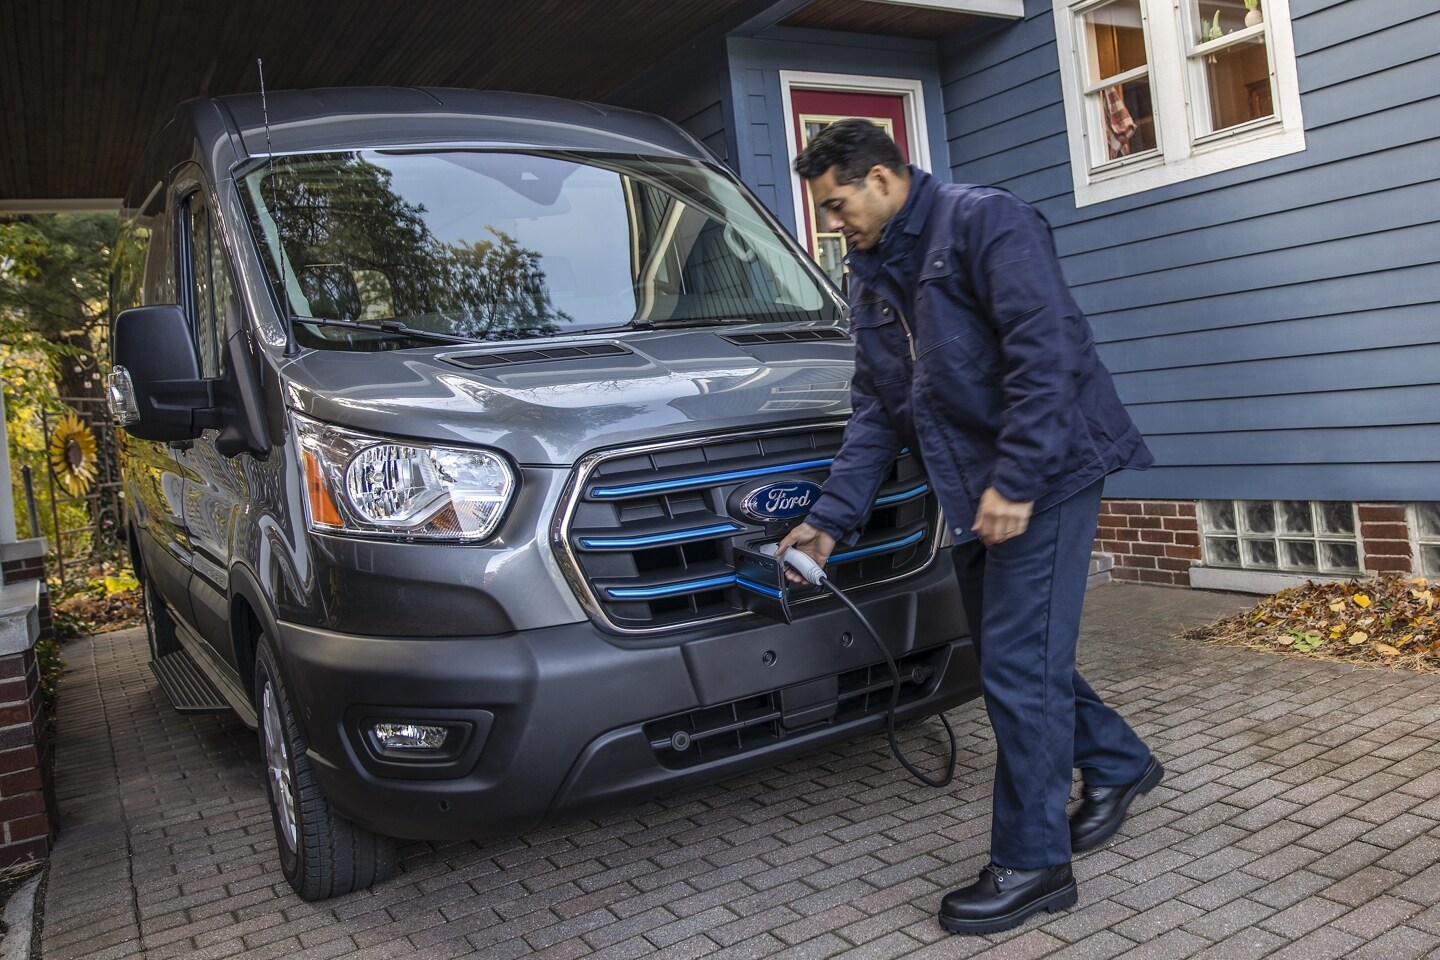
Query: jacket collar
{"x": 897, "y": 239}
{"x": 915, "y": 212}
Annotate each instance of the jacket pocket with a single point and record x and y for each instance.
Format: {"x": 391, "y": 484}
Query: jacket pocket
{"x": 950, "y": 338}
{"x": 881, "y": 344}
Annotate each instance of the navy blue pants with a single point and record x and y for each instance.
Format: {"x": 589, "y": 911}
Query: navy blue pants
{"x": 1023, "y": 598}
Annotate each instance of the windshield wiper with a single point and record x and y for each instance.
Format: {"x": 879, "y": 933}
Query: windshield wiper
{"x": 392, "y": 327}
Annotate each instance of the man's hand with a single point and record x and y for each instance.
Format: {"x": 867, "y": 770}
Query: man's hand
{"x": 998, "y": 519}
{"x": 817, "y": 544}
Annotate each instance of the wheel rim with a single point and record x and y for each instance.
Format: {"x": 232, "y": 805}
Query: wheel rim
{"x": 277, "y": 767}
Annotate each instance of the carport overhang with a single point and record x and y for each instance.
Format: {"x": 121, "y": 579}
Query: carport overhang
{"x": 87, "y": 83}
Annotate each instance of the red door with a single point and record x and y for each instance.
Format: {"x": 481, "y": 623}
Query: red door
{"x": 812, "y": 111}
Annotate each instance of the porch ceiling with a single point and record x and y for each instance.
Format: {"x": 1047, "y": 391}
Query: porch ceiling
{"x": 84, "y": 83}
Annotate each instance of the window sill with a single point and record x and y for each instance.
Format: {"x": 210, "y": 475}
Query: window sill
{"x": 1235, "y": 580}
{"x": 1207, "y": 158}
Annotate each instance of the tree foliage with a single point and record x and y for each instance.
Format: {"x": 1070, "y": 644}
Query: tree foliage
{"x": 353, "y": 242}
{"x": 53, "y": 275}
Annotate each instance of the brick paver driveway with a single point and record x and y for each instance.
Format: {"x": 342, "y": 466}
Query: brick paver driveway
{"x": 1300, "y": 819}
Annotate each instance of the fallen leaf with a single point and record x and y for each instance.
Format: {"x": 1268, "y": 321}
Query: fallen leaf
{"x": 1357, "y": 638}
{"x": 1384, "y": 649}
{"x": 1361, "y": 600}
{"x": 1337, "y": 605}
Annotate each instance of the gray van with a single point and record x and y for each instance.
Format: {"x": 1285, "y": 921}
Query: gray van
{"x": 447, "y": 412}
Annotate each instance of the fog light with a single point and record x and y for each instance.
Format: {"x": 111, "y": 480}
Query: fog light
{"x": 409, "y": 737}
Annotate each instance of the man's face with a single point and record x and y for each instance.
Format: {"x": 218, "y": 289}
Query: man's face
{"x": 861, "y": 209}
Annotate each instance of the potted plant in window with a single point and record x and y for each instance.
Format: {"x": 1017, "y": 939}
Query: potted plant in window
{"x": 1253, "y": 15}
{"x": 1211, "y": 31}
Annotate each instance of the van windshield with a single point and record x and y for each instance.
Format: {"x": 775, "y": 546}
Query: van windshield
{"x": 492, "y": 245}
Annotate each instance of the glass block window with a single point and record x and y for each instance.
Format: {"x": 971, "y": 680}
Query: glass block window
{"x": 1289, "y": 536}
{"x": 1427, "y": 536}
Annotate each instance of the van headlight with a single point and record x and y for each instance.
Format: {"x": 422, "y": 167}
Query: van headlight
{"x": 356, "y": 483}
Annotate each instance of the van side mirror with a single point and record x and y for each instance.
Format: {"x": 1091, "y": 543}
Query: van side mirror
{"x": 155, "y": 388}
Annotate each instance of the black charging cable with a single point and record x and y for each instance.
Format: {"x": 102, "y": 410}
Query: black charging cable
{"x": 804, "y": 565}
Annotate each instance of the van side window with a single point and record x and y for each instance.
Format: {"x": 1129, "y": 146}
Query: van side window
{"x": 206, "y": 283}
{"x": 130, "y": 253}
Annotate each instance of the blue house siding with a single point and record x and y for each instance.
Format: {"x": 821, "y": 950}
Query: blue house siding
{"x": 1273, "y": 329}
{"x": 692, "y": 91}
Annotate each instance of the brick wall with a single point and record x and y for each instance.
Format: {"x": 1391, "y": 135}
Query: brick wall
{"x": 1152, "y": 541}
{"x": 27, "y": 795}
{"x": 28, "y": 811}
{"x": 1157, "y": 541}
{"x": 32, "y": 568}
{"x": 1385, "y": 537}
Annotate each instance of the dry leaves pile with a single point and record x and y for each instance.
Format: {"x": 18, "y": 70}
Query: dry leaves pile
{"x": 1392, "y": 621}
{"x": 108, "y": 601}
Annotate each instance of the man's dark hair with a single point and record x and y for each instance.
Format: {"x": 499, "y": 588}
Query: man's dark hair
{"x": 851, "y": 147}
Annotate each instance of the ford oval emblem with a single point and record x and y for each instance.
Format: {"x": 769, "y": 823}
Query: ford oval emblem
{"x": 778, "y": 500}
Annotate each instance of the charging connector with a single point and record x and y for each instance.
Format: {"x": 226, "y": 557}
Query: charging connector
{"x": 806, "y": 566}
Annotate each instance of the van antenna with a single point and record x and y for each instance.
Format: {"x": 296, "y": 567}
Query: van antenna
{"x": 275, "y": 212}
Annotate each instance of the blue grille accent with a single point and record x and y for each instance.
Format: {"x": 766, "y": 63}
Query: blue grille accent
{"x": 670, "y": 589}
{"x": 903, "y": 495}
{"x": 888, "y": 547}
{"x": 657, "y": 539}
{"x": 754, "y": 587}
{"x": 711, "y": 583}
{"x": 708, "y": 480}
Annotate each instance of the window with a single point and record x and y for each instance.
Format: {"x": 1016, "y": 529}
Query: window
{"x": 207, "y": 284}
{"x": 1297, "y": 536}
{"x": 1427, "y": 536}
{"x": 1160, "y": 91}
{"x": 506, "y": 245}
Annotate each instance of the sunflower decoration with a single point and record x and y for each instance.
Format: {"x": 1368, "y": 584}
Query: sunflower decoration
{"x": 72, "y": 454}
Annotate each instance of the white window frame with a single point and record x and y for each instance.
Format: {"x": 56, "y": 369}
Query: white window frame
{"x": 914, "y": 108}
{"x": 1418, "y": 541}
{"x": 1179, "y": 95}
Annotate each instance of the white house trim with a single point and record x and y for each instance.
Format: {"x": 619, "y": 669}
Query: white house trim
{"x": 1009, "y": 9}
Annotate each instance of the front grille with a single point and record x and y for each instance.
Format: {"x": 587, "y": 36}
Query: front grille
{"x": 650, "y": 540}
{"x": 701, "y": 736}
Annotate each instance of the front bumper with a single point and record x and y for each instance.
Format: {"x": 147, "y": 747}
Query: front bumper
{"x": 562, "y": 720}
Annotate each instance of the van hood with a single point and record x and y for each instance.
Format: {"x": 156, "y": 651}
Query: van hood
{"x": 545, "y": 405}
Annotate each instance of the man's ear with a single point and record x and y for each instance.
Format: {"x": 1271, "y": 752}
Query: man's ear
{"x": 882, "y": 178}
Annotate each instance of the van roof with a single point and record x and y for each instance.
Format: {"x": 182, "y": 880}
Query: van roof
{"x": 341, "y": 118}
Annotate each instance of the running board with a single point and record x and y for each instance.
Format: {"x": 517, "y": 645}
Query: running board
{"x": 189, "y": 690}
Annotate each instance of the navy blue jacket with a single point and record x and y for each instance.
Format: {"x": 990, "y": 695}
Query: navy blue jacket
{"x": 970, "y": 349}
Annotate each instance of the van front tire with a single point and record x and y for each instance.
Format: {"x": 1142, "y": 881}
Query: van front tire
{"x": 321, "y": 853}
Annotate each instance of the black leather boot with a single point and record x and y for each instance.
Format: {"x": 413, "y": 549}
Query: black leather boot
{"x": 1002, "y": 898}
{"x": 1103, "y": 809}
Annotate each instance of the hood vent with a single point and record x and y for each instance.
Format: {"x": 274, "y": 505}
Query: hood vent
{"x": 786, "y": 336}
{"x": 506, "y": 358}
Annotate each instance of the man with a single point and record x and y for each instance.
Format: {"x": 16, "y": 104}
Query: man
{"x": 970, "y": 350}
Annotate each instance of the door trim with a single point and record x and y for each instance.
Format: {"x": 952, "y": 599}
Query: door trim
{"x": 912, "y": 97}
